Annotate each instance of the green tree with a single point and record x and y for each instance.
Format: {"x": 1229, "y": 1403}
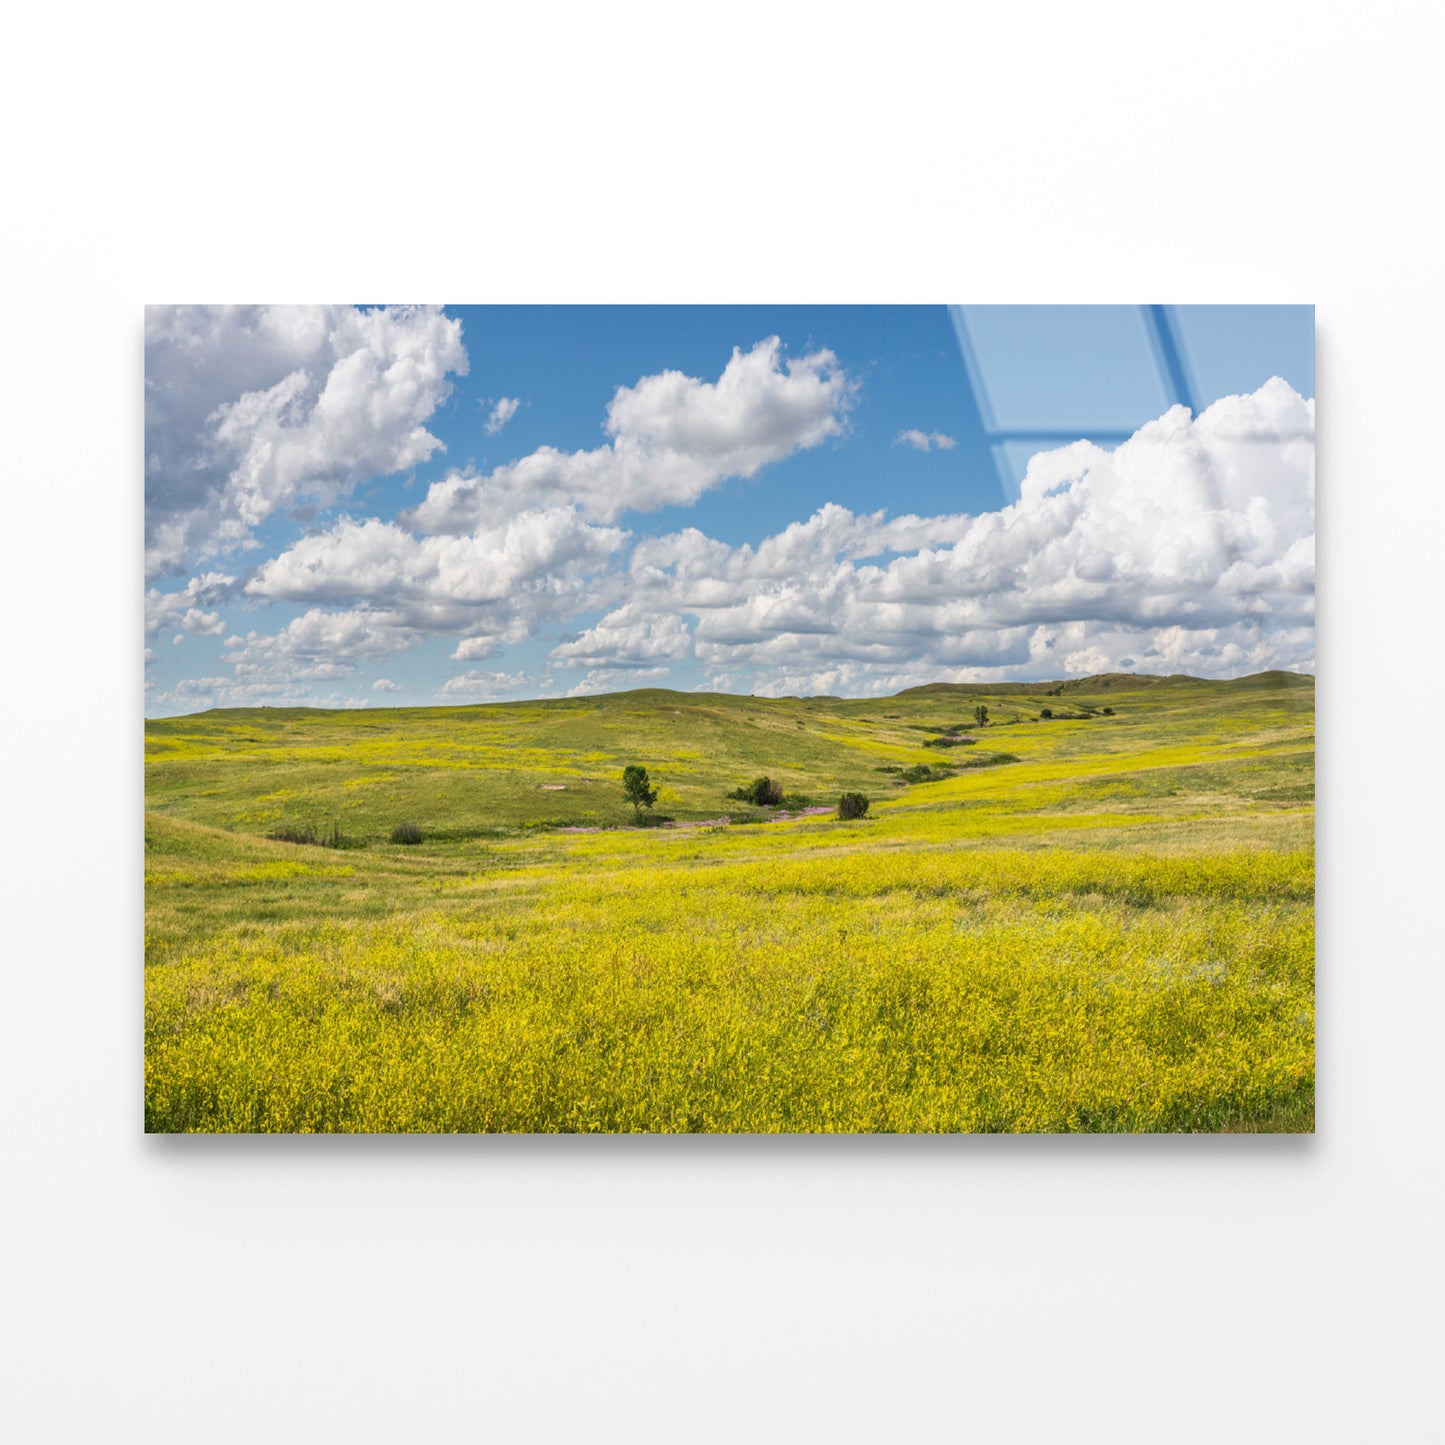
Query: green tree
{"x": 636, "y": 790}
{"x": 981, "y": 713}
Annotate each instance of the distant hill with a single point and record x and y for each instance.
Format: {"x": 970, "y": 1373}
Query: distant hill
{"x": 1276, "y": 679}
{"x": 698, "y": 703}
{"x": 979, "y": 689}
{"x": 1108, "y": 682}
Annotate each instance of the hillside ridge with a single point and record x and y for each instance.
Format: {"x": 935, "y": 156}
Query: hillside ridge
{"x": 1098, "y": 682}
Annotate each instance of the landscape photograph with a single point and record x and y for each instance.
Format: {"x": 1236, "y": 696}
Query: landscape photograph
{"x": 729, "y": 719}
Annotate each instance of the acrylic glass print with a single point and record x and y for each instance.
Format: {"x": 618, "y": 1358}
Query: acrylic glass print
{"x": 729, "y": 719}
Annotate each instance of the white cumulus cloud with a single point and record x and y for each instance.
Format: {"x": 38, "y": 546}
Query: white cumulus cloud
{"x": 185, "y": 608}
{"x": 612, "y": 680}
{"x": 317, "y": 646}
{"x": 501, "y": 414}
{"x": 627, "y": 639}
{"x": 923, "y": 441}
{"x": 252, "y": 409}
{"x": 672, "y": 437}
{"x": 475, "y": 649}
{"x": 1188, "y": 547}
{"x": 492, "y": 686}
{"x": 496, "y": 585}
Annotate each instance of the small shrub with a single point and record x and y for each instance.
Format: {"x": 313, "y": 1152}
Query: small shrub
{"x": 852, "y": 805}
{"x": 761, "y": 792}
{"x": 309, "y": 836}
{"x": 767, "y": 793}
{"x": 922, "y": 773}
{"x": 1047, "y": 712}
{"x": 406, "y": 833}
{"x": 1108, "y": 712}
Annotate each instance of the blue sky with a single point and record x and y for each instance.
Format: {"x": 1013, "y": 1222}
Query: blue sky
{"x": 353, "y": 506}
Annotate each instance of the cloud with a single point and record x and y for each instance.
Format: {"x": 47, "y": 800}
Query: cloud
{"x": 390, "y": 590}
{"x": 925, "y": 441}
{"x": 609, "y": 680}
{"x": 193, "y": 694}
{"x": 493, "y": 686}
{"x": 673, "y": 438}
{"x": 1189, "y": 546}
{"x": 515, "y": 569}
{"x": 496, "y": 585}
{"x": 385, "y": 684}
{"x": 712, "y": 573}
{"x": 627, "y": 639}
{"x": 317, "y": 646}
{"x": 252, "y": 409}
{"x": 380, "y": 561}
{"x": 184, "y": 608}
{"x": 205, "y": 623}
{"x": 502, "y": 413}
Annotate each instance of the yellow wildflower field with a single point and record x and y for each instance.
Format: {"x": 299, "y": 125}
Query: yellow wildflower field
{"x": 1108, "y": 926}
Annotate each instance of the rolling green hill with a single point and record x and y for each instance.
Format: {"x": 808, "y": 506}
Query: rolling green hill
{"x": 466, "y": 772}
{"x": 1098, "y": 921}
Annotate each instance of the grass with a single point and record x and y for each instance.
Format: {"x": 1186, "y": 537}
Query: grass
{"x": 1114, "y": 932}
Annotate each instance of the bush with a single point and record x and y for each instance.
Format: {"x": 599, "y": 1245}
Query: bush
{"x": 852, "y": 805}
{"x": 922, "y": 773}
{"x": 308, "y": 835}
{"x": 1047, "y": 712}
{"x": 761, "y": 792}
{"x": 1108, "y": 712}
{"x": 406, "y": 833}
{"x": 767, "y": 793}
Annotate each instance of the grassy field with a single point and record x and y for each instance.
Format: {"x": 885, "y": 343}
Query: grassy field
{"x": 1091, "y": 922}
